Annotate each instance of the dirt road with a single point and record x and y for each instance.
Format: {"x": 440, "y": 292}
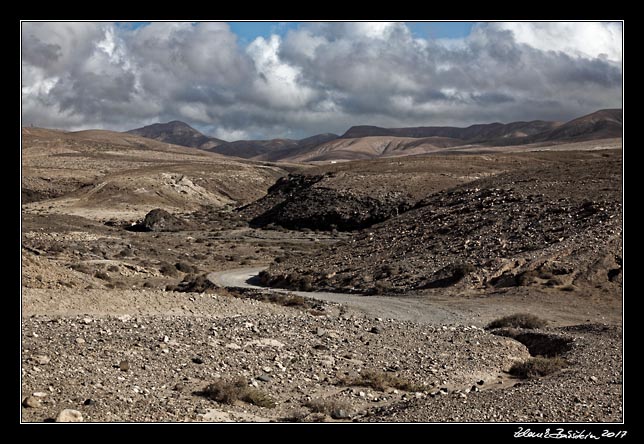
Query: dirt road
{"x": 400, "y": 308}
{"x": 443, "y": 308}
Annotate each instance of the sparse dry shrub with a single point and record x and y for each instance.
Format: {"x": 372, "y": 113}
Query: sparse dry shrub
{"x": 335, "y": 408}
{"x": 102, "y": 275}
{"x": 81, "y": 268}
{"x": 258, "y": 398}
{"x": 228, "y": 392}
{"x": 120, "y": 285}
{"x": 167, "y": 269}
{"x": 568, "y": 288}
{"x": 290, "y": 300}
{"x": 379, "y": 380}
{"x": 285, "y": 299}
{"x": 538, "y": 366}
{"x": 305, "y": 283}
{"x": 546, "y": 275}
{"x": 314, "y": 312}
{"x": 554, "y": 282}
{"x": 56, "y": 248}
{"x": 193, "y": 284}
{"x": 526, "y": 278}
{"x": 381, "y": 287}
{"x": 184, "y": 267}
{"x": 518, "y": 320}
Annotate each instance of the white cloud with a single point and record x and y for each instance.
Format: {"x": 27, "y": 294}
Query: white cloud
{"x": 277, "y": 82}
{"x": 304, "y": 42}
{"x": 195, "y": 112}
{"x": 372, "y": 30}
{"x": 231, "y": 134}
{"x": 319, "y": 77}
{"x": 579, "y": 39}
{"x": 60, "y": 45}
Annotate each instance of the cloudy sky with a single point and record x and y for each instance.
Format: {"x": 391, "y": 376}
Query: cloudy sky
{"x": 266, "y": 80}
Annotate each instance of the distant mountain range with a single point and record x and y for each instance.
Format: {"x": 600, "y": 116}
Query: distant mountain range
{"x": 474, "y": 133}
{"x": 601, "y": 124}
{"x": 271, "y": 150}
{"x": 180, "y": 133}
{"x": 364, "y": 142}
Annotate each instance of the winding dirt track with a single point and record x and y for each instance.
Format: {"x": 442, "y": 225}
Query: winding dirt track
{"x": 452, "y": 307}
{"x": 402, "y": 308}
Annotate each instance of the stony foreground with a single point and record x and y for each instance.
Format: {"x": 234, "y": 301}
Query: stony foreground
{"x": 147, "y": 356}
{"x": 589, "y": 390}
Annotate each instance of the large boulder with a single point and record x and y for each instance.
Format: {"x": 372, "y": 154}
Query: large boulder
{"x": 161, "y": 220}
{"x": 69, "y": 415}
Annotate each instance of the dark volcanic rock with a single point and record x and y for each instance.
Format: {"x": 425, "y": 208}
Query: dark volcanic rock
{"x": 28, "y": 196}
{"x": 326, "y": 209}
{"x": 555, "y": 226}
{"x": 284, "y": 188}
{"x": 161, "y": 220}
{"x": 298, "y": 201}
{"x": 193, "y": 284}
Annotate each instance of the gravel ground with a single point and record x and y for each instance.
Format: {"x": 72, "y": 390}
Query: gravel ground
{"x": 147, "y": 356}
{"x": 151, "y": 367}
{"x": 589, "y": 390}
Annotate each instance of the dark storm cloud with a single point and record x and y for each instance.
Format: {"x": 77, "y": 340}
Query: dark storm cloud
{"x": 319, "y": 77}
{"x": 39, "y": 53}
{"x": 207, "y": 94}
{"x": 492, "y": 98}
{"x": 594, "y": 72}
{"x": 89, "y": 93}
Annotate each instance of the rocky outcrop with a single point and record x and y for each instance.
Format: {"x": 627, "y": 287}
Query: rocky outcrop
{"x": 161, "y": 220}
{"x": 298, "y": 201}
{"x": 554, "y": 227}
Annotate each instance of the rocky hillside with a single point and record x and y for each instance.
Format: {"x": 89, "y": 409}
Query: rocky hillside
{"x": 272, "y": 150}
{"x": 300, "y": 201}
{"x": 602, "y": 124}
{"x": 372, "y": 147}
{"x": 557, "y": 226}
{"x": 249, "y": 149}
{"x": 104, "y": 174}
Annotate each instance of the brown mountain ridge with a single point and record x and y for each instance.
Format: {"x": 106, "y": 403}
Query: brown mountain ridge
{"x": 366, "y": 142}
{"x": 177, "y": 133}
